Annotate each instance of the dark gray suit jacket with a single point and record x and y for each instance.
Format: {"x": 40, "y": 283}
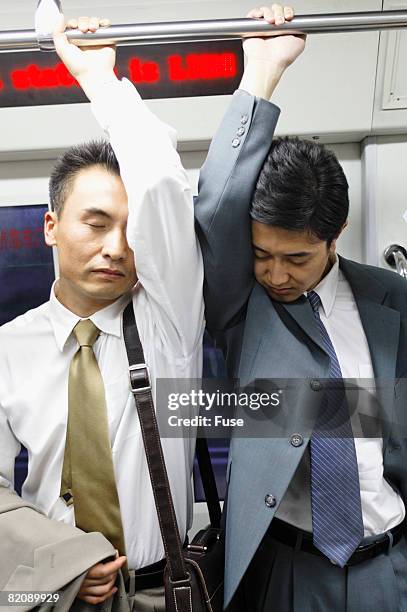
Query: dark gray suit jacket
{"x": 266, "y": 339}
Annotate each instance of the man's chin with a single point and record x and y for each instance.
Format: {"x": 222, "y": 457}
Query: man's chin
{"x": 286, "y": 296}
{"x": 108, "y": 292}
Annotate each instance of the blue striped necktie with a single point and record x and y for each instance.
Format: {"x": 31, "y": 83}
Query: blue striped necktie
{"x": 337, "y": 521}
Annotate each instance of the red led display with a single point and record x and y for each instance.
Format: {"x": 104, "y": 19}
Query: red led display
{"x": 35, "y": 77}
{"x": 202, "y": 66}
{"x": 159, "y": 71}
{"x": 144, "y": 72}
{"x": 13, "y": 238}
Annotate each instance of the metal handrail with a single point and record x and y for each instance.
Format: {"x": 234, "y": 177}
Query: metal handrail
{"x": 396, "y": 256}
{"x": 401, "y": 263}
{"x": 142, "y": 33}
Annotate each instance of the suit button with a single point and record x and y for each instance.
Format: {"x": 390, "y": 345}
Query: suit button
{"x": 244, "y": 119}
{"x": 240, "y": 131}
{"x": 296, "y": 439}
{"x": 270, "y": 500}
{"x": 315, "y": 385}
{"x": 235, "y": 142}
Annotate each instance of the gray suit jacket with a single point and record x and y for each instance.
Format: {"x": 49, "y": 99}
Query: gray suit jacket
{"x": 39, "y": 554}
{"x": 266, "y": 339}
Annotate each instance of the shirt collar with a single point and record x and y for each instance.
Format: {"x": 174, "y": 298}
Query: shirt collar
{"x": 63, "y": 320}
{"x": 327, "y": 288}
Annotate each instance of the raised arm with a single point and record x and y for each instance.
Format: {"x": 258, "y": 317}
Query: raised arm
{"x": 160, "y": 228}
{"x": 229, "y": 175}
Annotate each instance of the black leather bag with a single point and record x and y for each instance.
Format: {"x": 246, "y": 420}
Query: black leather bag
{"x": 193, "y": 575}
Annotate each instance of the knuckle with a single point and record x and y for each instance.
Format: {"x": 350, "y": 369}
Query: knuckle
{"x": 98, "y": 574}
{"x": 109, "y": 579}
{"x": 98, "y": 591}
{"x": 102, "y": 590}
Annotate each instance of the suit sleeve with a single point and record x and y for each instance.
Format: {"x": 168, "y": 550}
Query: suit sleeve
{"x": 226, "y": 185}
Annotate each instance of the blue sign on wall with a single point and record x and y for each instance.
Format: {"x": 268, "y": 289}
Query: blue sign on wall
{"x": 26, "y": 263}
{"x": 26, "y": 275}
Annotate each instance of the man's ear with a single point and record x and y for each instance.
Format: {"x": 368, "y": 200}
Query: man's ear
{"x": 343, "y": 227}
{"x": 50, "y": 228}
{"x": 332, "y": 247}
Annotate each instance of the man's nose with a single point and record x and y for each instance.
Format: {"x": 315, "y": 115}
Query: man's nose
{"x": 277, "y": 274}
{"x": 115, "y": 245}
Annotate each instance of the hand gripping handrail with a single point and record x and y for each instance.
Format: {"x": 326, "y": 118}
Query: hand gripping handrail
{"x": 142, "y": 33}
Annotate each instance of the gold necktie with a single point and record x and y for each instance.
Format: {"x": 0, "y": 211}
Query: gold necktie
{"x": 88, "y": 479}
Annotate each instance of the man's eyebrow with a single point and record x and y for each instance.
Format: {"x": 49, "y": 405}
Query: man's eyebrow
{"x": 299, "y": 254}
{"x": 94, "y": 211}
{"x": 259, "y": 248}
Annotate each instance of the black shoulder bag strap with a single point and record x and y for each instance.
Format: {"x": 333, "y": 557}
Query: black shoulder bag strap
{"x": 141, "y": 388}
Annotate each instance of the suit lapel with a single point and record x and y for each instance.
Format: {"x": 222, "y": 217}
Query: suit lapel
{"x": 381, "y": 325}
{"x": 382, "y": 328}
{"x": 301, "y": 312}
{"x": 264, "y": 332}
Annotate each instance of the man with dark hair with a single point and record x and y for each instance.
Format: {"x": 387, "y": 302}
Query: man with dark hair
{"x": 74, "y": 160}
{"x": 300, "y": 207}
{"x": 64, "y": 390}
{"x": 314, "y": 514}
{"x": 302, "y": 186}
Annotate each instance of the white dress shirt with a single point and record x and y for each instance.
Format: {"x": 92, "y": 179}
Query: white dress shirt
{"x": 36, "y": 348}
{"x": 382, "y": 507}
